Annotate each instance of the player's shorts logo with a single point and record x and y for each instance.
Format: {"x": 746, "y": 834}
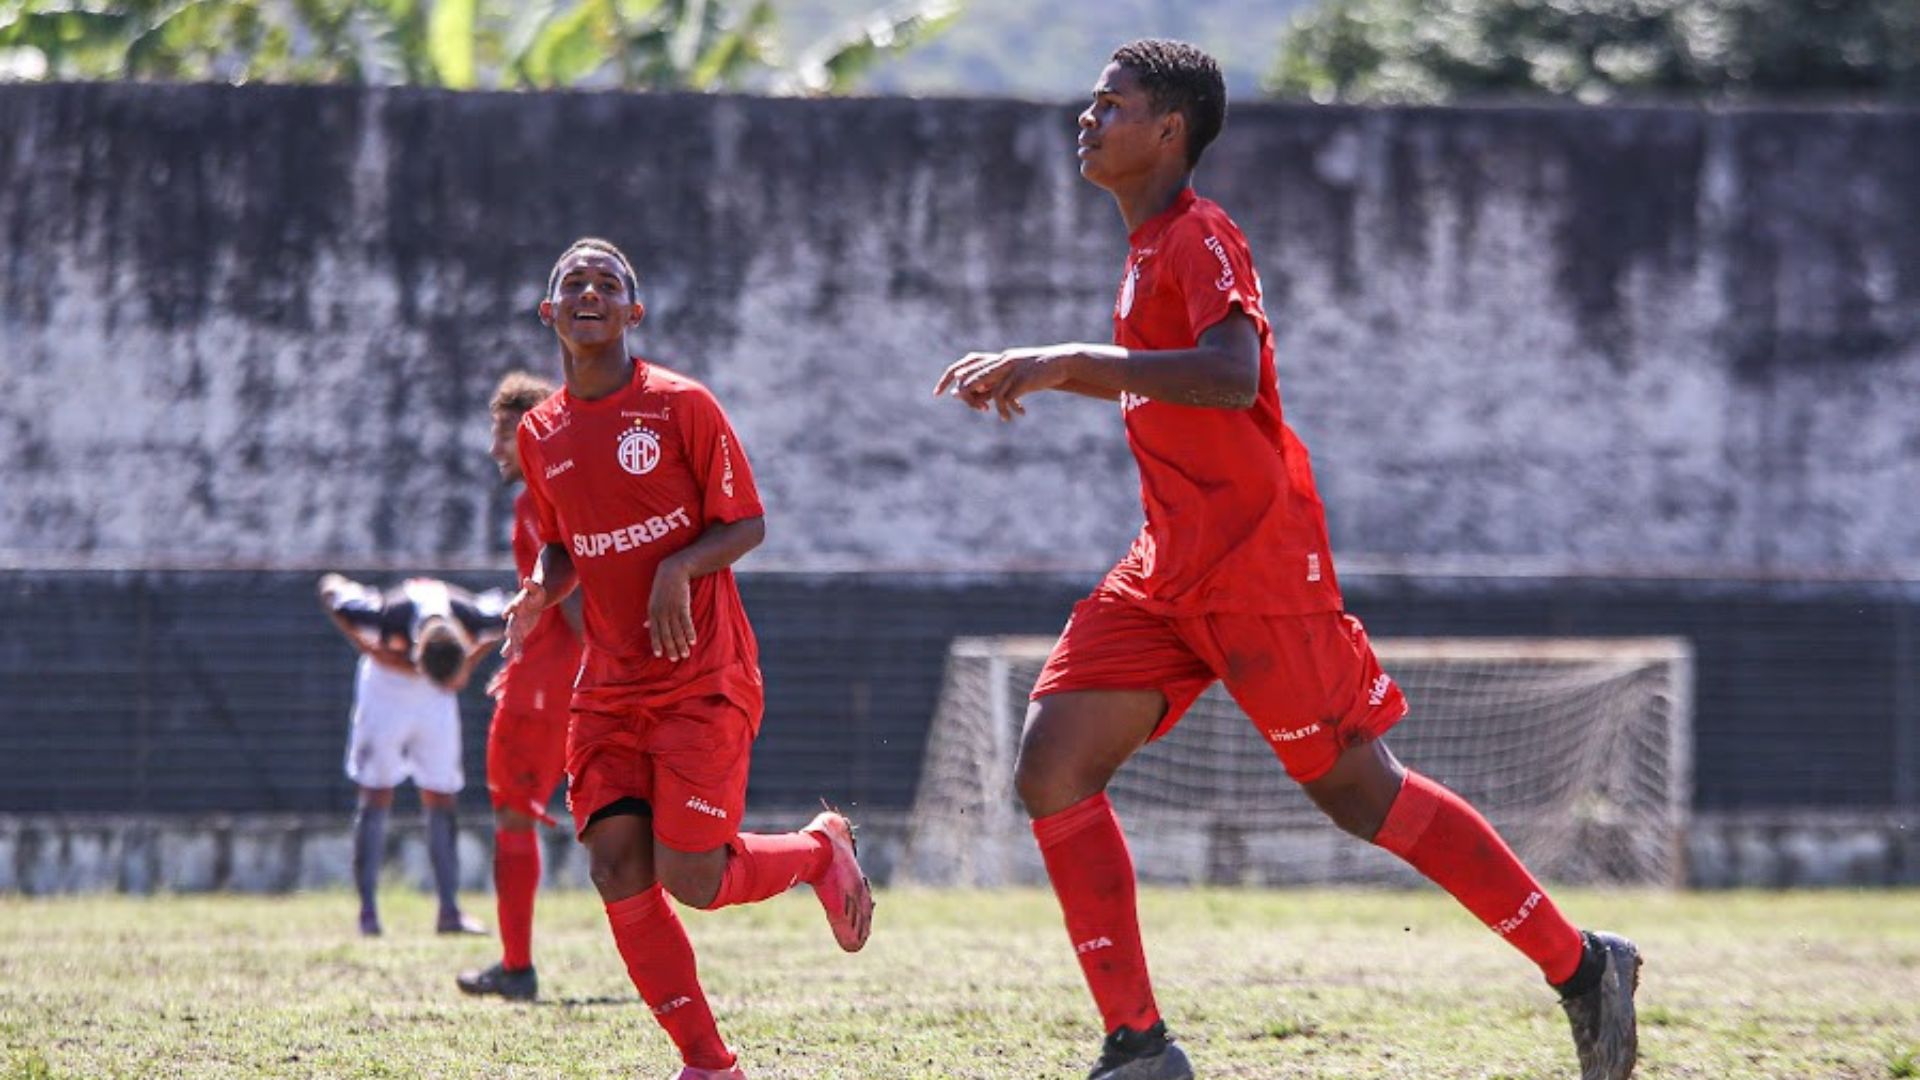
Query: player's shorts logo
{"x": 639, "y": 450}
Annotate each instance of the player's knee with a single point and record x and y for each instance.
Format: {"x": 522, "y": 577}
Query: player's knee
{"x": 692, "y": 886}
{"x": 617, "y": 875}
{"x": 1047, "y": 786}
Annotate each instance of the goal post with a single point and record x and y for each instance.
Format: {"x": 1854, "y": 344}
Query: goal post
{"x": 1577, "y": 749}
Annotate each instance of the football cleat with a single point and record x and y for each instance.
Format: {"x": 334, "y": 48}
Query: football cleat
{"x": 1604, "y": 1031}
{"x": 1141, "y": 1055}
{"x": 520, "y": 985}
{"x": 843, "y": 889}
{"x": 691, "y": 1073}
{"x": 453, "y": 922}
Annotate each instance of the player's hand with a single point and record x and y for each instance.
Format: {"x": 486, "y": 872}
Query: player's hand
{"x": 522, "y": 612}
{"x": 497, "y": 684}
{"x": 999, "y": 380}
{"x": 670, "y": 612}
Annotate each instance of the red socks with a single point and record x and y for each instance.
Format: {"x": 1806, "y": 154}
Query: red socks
{"x": 1092, "y": 873}
{"x": 516, "y": 874}
{"x": 1441, "y": 836}
{"x": 660, "y": 961}
{"x": 760, "y": 865}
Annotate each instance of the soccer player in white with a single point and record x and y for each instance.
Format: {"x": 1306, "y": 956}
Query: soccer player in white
{"x": 418, "y": 645}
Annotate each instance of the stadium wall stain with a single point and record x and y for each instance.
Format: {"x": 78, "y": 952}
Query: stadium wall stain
{"x": 260, "y": 324}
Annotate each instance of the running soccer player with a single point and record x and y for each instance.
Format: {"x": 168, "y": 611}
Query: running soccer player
{"x": 527, "y": 741}
{"x": 1230, "y": 579}
{"x": 418, "y": 645}
{"x": 645, "y": 500}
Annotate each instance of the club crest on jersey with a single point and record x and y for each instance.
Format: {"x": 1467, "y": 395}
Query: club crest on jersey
{"x": 639, "y": 450}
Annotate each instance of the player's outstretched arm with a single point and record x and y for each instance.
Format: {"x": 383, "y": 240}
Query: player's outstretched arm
{"x": 1221, "y": 372}
{"x": 670, "y": 608}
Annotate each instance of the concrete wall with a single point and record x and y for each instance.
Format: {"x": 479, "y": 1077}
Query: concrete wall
{"x": 47, "y": 854}
{"x": 259, "y": 324}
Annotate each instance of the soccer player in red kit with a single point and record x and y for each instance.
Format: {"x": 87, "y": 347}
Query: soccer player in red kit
{"x": 527, "y": 741}
{"x": 645, "y": 500}
{"x": 1229, "y": 579}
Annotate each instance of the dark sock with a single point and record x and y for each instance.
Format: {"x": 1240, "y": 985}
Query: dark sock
{"x": 1593, "y": 963}
{"x": 444, "y": 853}
{"x": 369, "y": 851}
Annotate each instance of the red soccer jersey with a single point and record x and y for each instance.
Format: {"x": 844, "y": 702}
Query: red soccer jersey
{"x": 541, "y": 680}
{"x": 623, "y": 482}
{"x": 1233, "y": 521}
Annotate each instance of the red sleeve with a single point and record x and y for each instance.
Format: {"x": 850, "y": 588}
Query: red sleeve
{"x": 546, "y": 522}
{"x": 719, "y": 463}
{"x": 1214, "y": 272}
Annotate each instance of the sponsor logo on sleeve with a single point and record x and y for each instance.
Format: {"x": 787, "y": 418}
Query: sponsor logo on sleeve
{"x": 1125, "y": 306}
{"x": 1377, "y": 696}
{"x": 1225, "y": 280}
{"x": 559, "y": 467}
{"x": 726, "y": 471}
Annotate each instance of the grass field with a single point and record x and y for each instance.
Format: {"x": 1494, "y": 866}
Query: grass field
{"x": 953, "y": 985}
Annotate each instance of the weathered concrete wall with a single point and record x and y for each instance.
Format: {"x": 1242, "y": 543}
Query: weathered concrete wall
{"x": 49, "y": 854}
{"x": 260, "y": 324}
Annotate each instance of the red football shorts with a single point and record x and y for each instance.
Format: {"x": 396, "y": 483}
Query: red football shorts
{"x": 526, "y": 756}
{"x": 1310, "y": 683}
{"x": 686, "y": 758}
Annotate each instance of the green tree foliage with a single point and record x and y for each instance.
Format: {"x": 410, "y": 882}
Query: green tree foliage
{"x": 1599, "y": 50}
{"x": 461, "y": 44}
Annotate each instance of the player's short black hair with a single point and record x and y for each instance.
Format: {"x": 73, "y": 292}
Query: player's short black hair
{"x": 441, "y": 651}
{"x": 520, "y": 391}
{"x": 1182, "y": 77}
{"x": 605, "y": 247}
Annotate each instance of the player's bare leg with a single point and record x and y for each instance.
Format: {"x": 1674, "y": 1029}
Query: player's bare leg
{"x": 513, "y": 981}
{"x": 369, "y": 851}
{"x": 443, "y": 852}
{"x": 1073, "y": 744}
{"x": 1371, "y": 795}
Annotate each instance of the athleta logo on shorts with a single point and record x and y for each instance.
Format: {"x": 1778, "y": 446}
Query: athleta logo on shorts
{"x": 639, "y": 450}
{"x": 1225, "y": 280}
{"x": 1283, "y": 735}
{"x": 639, "y": 534}
{"x": 1093, "y": 945}
{"x": 705, "y": 807}
{"x": 1508, "y": 926}
{"x": 1381, "y": 685}
{"x": 662, "y": 1010}
{"x": 558, "y": 468}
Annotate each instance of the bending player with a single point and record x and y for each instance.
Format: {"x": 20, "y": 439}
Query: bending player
{"x": 527, "y": 741}
{"x": 1230, "y": 579}
{"x": 645, "y": 501}
{"x": 418, "y": 645}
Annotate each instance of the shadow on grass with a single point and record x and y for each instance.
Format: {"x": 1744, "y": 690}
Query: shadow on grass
{"x": 584, "y": 1003}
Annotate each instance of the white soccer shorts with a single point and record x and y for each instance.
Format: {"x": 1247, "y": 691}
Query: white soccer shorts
{"x": 404, "y": 727}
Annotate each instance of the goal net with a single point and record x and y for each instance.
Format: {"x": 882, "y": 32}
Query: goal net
{"x": 1576, "y": 749}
